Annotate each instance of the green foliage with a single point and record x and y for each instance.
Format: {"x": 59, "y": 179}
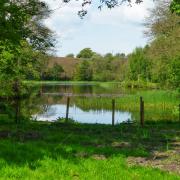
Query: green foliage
{"x": 16, "y": 64}
{"x": 175, "y": 6}
{"x": 163, "y": 52}
{"x": 83, "y": 71}
{"x": 71, "y": 55}
{"x": 159, "y": 105}
{"x": 139, "y": 65}
{"x": 108, "y": 68}
{"x": 54, "y": 73}
{"x": 109, "y": 56}
{"x": 85, "y": 53}
{"x": 174, "y": 72}
{"x": 157, "y": 62}
{"x": 22, "y": 20}
{"x": 23, "y": 39}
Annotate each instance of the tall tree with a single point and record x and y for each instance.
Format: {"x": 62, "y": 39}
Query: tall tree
{"x": 85, "y": 53}
{"x": 23, "y": 20}
{"x": 83, "y": 71}
{"x": 139, "y": 65}
{"x": 22, "y": 30}
{"x": 163, "y": 28}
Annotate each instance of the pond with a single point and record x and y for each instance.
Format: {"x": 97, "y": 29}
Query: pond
{"x": 56, "y": 103}
{"x": 92, "y": 103}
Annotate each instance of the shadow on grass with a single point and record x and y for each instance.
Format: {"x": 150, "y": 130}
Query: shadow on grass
{"x": 31, "y": 142}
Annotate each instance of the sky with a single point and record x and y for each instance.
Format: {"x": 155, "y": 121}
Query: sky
{"x": 119, "y": 30}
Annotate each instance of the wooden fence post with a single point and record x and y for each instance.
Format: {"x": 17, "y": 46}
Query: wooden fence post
{"x": 113, "y": 111}
{"x": 67, "y": 108}
{"x": 141, "y": 112}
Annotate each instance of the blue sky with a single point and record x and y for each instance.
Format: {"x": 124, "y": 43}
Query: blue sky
{"x": 119, "y": 30}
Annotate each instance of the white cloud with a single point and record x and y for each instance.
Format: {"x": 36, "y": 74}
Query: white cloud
{"x": 123, "y": 14}
{"x": 64, "y": 18}
{"x": 67, "y": 24}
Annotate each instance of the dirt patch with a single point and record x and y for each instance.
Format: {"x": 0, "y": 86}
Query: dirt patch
{"x": 175, "y": 145}
{"x": 167, "y": 161}
{"x": 120, "y": 144}
{"x": 99, "y": 157}
{"x": 160, "y": 156}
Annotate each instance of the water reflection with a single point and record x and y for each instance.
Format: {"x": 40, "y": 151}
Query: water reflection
{"x": 92, "y": 116}
{"x": 93, "y": 89}
{"x": 48, "y": 103}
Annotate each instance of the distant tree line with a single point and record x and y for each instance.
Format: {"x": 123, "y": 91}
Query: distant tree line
{"x": 25, "y": 43}
{"x": 158, "y": 62}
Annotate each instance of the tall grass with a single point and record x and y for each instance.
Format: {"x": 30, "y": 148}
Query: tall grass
{"x": 159, "y": 105}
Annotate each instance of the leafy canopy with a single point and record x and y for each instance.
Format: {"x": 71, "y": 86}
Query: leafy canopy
{"x": 23, "y": 37}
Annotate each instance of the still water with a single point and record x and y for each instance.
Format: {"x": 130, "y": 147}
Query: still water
{"x": 92, "y": 103}
{"x": 92, "y": 116}
{"x": 55, "y": 107}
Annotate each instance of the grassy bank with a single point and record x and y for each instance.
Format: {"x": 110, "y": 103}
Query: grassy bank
{"x": 81, "y": 151}
{"x": 125, "y": 84}
{"x": 159, "y": 105}
{"x": 65, "y": 82}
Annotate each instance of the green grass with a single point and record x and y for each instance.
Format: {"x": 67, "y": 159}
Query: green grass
{"x": 128, "y": 84}
{"x": 67, "y": 82}
{"x": 159, "y": 105}
{"x": 82, "y": 151}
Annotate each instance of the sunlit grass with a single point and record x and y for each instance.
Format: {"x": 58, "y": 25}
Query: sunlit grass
{"x": 159, "y": 105}
{"x": 81, "y": 151}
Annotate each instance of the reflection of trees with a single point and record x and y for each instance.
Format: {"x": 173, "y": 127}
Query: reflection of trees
{"x": 79, "y": 89}
{"x": 45, "y": 107}
{"x": 82, "y": 89}
{"x": 23, "y": 108}
{"x": 49, "y": 111}
{"x": 37, "y": 103}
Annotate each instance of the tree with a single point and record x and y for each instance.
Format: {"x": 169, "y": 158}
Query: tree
{"x": 109, "y": 56}
{"x": 22, "y": 32}
{"x": 53, "y": 73}
{"x": 22, "y": 21}
{"x": 71, "y": 55}
{"x": 120, "y": 56}
{"x": 139, "y": 65}
{"x": 175, "y": 6}
{"x": 163, "y": 28}
{"x": 85, "y": 53}
{"x": 174, "y": 72}
{"x": 83, "y": 71}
